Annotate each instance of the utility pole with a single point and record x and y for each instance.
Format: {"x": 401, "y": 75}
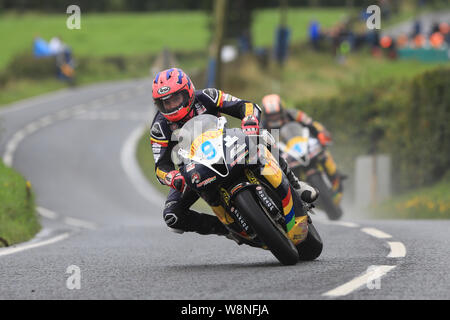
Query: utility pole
{"x": 214, "y": 68}
{"x": 283, "y": 12}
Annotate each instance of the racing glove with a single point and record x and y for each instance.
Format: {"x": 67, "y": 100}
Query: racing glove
{"x": 324, "y": 138}
{"x": 250, "y": 125}
{"x": 175, "y": 180}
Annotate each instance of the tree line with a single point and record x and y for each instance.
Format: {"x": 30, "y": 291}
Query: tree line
{"x": 158, "y": 5}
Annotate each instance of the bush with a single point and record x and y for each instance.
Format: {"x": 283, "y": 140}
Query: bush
{"x": 25, "y": 65}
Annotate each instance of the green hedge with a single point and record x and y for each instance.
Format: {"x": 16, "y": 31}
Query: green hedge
{"x": 407, "y": 119}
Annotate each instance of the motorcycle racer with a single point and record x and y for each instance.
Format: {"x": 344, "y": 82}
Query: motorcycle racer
{"x": 275, "y": 116}
{"x": 177, "y": 102}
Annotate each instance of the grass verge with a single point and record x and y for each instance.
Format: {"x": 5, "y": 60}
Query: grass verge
{"x": 18, "y": 219}
{"x": 425, "y": 203}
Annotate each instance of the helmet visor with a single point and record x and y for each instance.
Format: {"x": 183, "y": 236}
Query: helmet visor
{"x": 173, "y": 102}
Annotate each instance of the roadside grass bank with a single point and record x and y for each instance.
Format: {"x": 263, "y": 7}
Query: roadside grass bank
{"x": 18, "y": 219}
{"x": 424, "y": 203}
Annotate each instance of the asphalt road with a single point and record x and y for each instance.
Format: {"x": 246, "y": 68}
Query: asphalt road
{"x": 72, "y": 145}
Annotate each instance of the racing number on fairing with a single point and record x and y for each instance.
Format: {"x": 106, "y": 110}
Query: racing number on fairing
{"x": 297, "y": 148}
{"x": 208, "y": 150}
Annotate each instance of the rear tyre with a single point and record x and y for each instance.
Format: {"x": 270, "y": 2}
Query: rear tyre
{"x": 277, "y": 242}
{"x": 325, "y": 199}
{"x": 310, "y": 248}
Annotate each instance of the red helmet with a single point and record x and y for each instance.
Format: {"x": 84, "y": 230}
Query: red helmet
{"x": 173, "y": 93}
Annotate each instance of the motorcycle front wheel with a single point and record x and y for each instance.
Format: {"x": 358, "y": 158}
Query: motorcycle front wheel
{"x": 266, "y": 229}
{"x": 325, "y": 199}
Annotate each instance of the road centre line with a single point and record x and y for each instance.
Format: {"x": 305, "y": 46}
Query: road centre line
{"x": 376, "y": 233}
{"x": 31, "y": 245}
{"x": 373, "y": 273}
{"x": 398, "y": 250}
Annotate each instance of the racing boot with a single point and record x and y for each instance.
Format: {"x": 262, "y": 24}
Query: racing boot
{"x": 209, "y": 224}
{"x": 308, "y": 193}
{"x": 192, "y": 221}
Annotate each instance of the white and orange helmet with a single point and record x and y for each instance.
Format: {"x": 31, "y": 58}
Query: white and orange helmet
{"x": 273, "y": 111}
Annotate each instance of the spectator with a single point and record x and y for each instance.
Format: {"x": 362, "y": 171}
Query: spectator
{"x": 56, "y": 46}
{"x": 40, "y": 48}
{"x": 314, "y": 34}
{"x": 417, "y": 29}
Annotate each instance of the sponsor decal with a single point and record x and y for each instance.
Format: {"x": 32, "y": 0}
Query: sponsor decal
{"x": 190, "y": 167}
{"x": 241, "y": 220}
{"x": 248, "y": 109}
{"x": 195, "y": 178}
{"x": 237, "y": 149}
{"x": 163, "y": 90}
{"x": 200, "y": 109}
{"x": 156, "y": 149}
{"x": 157, "y": 131}
{"x": 228, "y": 97}
{"x": 239, "y": 158}
{"x": 268, "y": 203}
{"x": 205, "y": 182}
{"x": 211, "y": 93}
{"x": 236, "y": 188}
{"x": 225, "y": 196}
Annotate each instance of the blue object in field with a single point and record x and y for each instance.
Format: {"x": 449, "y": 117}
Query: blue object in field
{"x": 41, "y": 48}
{"x": 282, "y": 43}
{"x": 211, "y": 75}
{"x": 314, "y": 31}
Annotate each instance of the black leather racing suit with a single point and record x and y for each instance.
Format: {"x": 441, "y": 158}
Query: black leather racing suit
{"x": 177, "y": 213}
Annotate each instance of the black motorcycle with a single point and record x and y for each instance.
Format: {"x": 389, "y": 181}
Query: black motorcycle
{"x": 234, "y": 174}
{"x": 302, "y": 153}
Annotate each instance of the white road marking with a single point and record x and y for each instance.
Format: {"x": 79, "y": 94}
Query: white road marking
{"x": 347, "y": 224}
{"x": 398, "y": 250}
{"x": 31, "y": 245}
{"x": 47, "y": 213}
{"x": 373, "y": 273}
{"x": 376, "y": 233}
{"x": 80, "y": 223}
{"x": 45, "y": 121}
{"x": 133, "y": 170}
{"x": 68, "y": 220}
